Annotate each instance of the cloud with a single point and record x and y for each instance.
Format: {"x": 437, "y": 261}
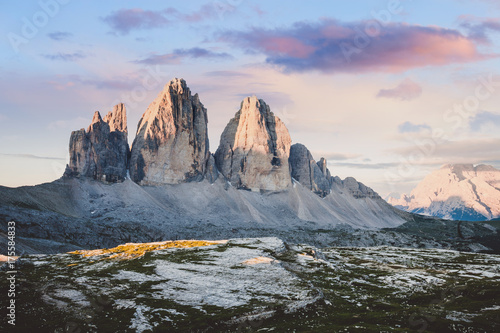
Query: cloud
{"x": 30, "y": 156}
{"x": 471, "y": 151}
{"x": 405, "y": 91}
{"x": 336, "y": 156}
{"x": 366, "y": 165}
{"x": 226, "y": 74}
{"x": 116, "y": 83}
{"x": 479, "y": 28}
{"x": 330, "y": 46}
{"x": 178, "y": 55}
{"x": 59, "y": 35}
{"x": 76, "y": 123}
{"x": 482, "y": 119}
{"x": 277, "y": 101}
{"x": 125, "y": 20}
{"x": 65, "y": 56}
{"x": 258, "y": 10}
{"x": 408, "y": 127}
{"x": 208, "y": 11}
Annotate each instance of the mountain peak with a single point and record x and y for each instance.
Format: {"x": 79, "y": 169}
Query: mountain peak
{"x": 101, "y": 152}
{"x": 171, "y": 144}
{"x": 117, "y": 119}
{"x": 176, "y": 84}
{"x": 96, "y": 118}
{"x": 254, "y": 149}
{"x": 456, "y": 191}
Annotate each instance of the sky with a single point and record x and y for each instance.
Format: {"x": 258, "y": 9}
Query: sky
{"x": 386, "y": 91}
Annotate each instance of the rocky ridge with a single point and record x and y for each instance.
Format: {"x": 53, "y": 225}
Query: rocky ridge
{"x": 456, "y": 192}
{"x": 171, "y": 147}
{"x": 305, "y": 170}
{"x": 207, "y": 201}
{"x": 101, "y": 152}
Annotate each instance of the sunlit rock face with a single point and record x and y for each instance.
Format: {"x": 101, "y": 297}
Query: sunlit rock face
{"x": 101, "y": 152}
{"x": 254, "y": 149}
{"x": 457, "y": 192}
{"x": 171, "y": 145}
{"x": 305, "y": 170}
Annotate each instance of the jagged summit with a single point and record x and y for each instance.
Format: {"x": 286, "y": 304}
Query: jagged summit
{"x": 457, "y": 192}
{"x": 117, "y": 119}
{"x": 254, "y": 149}
{"x": 171, "y": 147}
{"x": 171, "y": 144}
{"x": 316, "y": 176}
{"x": 305, "y": 170}
{"x": 100, "y": 152}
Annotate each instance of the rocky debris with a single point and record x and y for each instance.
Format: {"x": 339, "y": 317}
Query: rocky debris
{"x": 457, "y": 192}
{"x": 355, "y": 188}
{"x": 254, "y": 149}
{"x": 212, "y": 173}
{"x": 304, "y": 169}
{"x": 256, "y": 284}
{"x": 101, "y": 152}
{"x": 171, "y": 145}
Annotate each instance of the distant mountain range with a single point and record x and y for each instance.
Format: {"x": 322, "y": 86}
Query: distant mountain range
{"x": 456, "y": 192}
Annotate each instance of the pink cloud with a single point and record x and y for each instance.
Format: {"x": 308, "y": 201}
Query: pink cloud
{"x": 125, "y": 20}
{"x": 331, "y": 46}
{"x": 405, "y": 91}
{"x": 287, "y": 45}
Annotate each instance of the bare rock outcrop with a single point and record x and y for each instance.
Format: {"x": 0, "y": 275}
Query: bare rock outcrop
{"x": 254, "y": 149}
{"x": 355, "y": 188}
{"x": 212, "y": 173}
{"x": 101, "y": 152}
{"x": 171, "y": 145}
{"x": 305, "y": 170}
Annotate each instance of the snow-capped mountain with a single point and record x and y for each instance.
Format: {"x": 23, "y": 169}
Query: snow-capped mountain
{"x": 456, "y": 192}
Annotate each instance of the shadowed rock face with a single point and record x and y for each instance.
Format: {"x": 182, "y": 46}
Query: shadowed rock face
{"x": 171, "y": 145}
{"x": 314, "y": 176}
{"x": 254, "y": 149}
{"x": 101, "y": 152}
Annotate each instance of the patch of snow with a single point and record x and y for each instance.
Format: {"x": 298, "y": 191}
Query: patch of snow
{"x": 74, "y": 296}
{"x": 134, "y": 276}
{"x": 139, "y": 322}
{"x": 492, "y": 308}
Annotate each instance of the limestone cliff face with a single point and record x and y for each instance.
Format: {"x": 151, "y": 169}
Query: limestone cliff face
{"x": 254, "y": 149}
{"x": 101, "y": 152}
{"x": 171, "y": 145}
{"x": 304, "y": 169}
